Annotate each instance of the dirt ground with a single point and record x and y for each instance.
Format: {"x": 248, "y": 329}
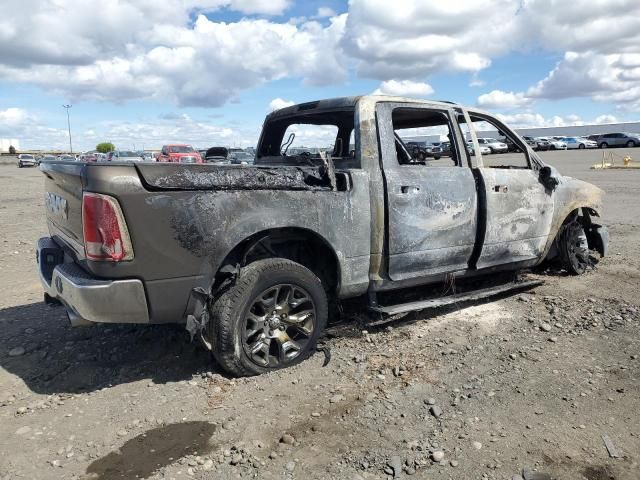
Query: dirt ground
{"x": 527, "y": 383}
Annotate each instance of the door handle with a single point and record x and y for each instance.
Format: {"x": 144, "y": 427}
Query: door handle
{"x": 500, "y": 189}
{"x": 409, "y": 189}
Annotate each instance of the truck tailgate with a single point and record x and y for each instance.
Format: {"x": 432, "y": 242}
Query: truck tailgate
{"x": 63, "y": 203}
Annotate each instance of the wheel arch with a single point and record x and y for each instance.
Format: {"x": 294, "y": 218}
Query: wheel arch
{"x": 301, "y": 245}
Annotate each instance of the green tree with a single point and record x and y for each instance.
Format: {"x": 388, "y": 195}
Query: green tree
{"x": 12, "y": 150}
{"x": 105, "y": 147}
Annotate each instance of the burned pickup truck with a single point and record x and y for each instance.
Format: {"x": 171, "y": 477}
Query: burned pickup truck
{"x": 252, "y": 258}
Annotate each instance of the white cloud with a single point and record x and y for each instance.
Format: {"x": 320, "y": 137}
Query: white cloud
{"x": 602, "y": 119}
{"x": 503, "y": 100}
{"x": 278, "y": 103}
{"x": 150, "y": 50}
{"x": 325, "y": 12}
{"x": 151, "y": 133}
{"x": 533, "y": 120}
{"x": 404, "y": 88}
{"x": 418, "y": 38}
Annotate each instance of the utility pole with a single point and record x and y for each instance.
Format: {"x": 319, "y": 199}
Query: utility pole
{"x": 67, "y": 107}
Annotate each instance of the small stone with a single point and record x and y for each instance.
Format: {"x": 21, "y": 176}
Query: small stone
{"x": 454, "y": 463}
{"x": 55, "y": 463}
{"x": 21, "y": 410}
{"x": 23, "y": 430}
{"x": 513, "y": 356}
{"x": 16, "y": 352}
{"x": 545, "y": 327}
{"x": 236, "y": 459}
{"x": 290, "y": 466}
{"x": 121, "y": 433}
{"x": 336, "y": 398}
{"x": 287, "y": 439}
{"x": 410, "y": 471}
{"x": 430, "y": 401}
{"x": 437, "y": 456}
{"x": 436, "y": 411}
{"x": 476, "y": 445}
{"x": 553, "y": 339}
{"x": 208, "y": 464}
{"x": 315, "y": 414}
{"x": 395, "y": 463}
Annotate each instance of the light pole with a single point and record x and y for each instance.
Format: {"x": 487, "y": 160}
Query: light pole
{"x": 67, "y": 107}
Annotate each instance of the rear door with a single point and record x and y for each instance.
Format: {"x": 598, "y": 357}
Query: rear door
{"x": 517, "y": 208}
{"x": 432, "y": 205}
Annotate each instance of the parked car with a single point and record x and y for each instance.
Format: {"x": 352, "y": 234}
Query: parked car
{"x": 45, "y": 158}
{"x": 579, "y": 143}
{"x": 218, "y": 155}
{"x": 532, "y": 142}
{"x": 123, "y": 156}
{"x": 554, "y": 144}
{"x": 241, "y": 158}
{"x": 619, "y": 140}
{"x": 67, "y": 158}
{"x": 26, "y": 160}
{"x": 594, "y": 137}
{"x": 88, "y": 157}
{"x": 542, "y": 144}
{"x": 179, "y": 153}
{"x": 484, "y": 150}
{"x": 494, "y": 145}
{"x": 250, "y": 259}
{"x": 148, "y": 157}
{"x": 423, "y": 150}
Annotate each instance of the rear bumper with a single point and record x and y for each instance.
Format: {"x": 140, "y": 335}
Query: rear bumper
{"x": 88, "y": 299}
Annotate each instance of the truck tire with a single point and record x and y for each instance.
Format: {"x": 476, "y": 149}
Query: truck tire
{"x": 271, "y": 318}
{"x": 573, "y": 248}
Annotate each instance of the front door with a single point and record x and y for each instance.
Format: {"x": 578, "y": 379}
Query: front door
{"x": 518, "y": 208}
{"x": 432, "y": 205}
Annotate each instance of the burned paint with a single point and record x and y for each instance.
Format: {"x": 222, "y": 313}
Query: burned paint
{"x": 173, "y": 176}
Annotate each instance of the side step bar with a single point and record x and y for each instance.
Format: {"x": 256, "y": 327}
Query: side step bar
{"x": 457, "y": 298}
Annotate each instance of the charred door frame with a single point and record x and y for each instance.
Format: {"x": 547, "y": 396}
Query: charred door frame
{"x": 428, "y": 262}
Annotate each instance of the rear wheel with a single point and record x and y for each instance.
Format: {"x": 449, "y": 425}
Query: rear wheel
{"x": 271, "y": 318}
{"x": 574, "y": 248}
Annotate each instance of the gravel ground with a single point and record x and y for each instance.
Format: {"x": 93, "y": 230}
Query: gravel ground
{"x": 529, "y": 384}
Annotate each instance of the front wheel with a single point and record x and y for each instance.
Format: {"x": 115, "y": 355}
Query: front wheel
{"x": 631, "y": 144}
{"x": 581, "y": 146}
{"x": 271, "y": 318}
{"x": 604, "y": 145}
{"x": 574, "y": 248}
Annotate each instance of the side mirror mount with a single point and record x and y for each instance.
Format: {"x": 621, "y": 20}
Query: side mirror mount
{"x": 549, "y": 177}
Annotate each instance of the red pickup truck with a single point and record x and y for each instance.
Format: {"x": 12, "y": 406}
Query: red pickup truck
{"x": 179, "y": 153}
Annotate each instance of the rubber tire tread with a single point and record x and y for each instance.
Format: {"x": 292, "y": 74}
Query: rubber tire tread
{"x": 226, "y": 312}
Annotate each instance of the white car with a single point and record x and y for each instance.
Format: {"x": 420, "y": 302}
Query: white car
{"x": 25, "y": 159}
{"x": 496, "y": 146}
{"x": 579, "y": 143}
{"x": 484, "y": 150}
{"x": 554, "y": 143}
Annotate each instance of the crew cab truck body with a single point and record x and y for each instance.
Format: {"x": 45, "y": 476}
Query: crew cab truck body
{"x": 251, "y": 257}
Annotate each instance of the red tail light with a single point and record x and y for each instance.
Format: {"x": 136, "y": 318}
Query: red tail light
{"x": 105, "y": 232}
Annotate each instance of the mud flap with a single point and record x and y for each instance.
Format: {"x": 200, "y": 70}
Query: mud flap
{"x": 198, "y": 321}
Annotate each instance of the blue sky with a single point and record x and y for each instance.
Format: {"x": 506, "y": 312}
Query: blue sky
{"x": 207, "y": 72}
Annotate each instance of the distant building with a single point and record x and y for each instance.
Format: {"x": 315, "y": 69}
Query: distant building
{"x": 5, "y": 143}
